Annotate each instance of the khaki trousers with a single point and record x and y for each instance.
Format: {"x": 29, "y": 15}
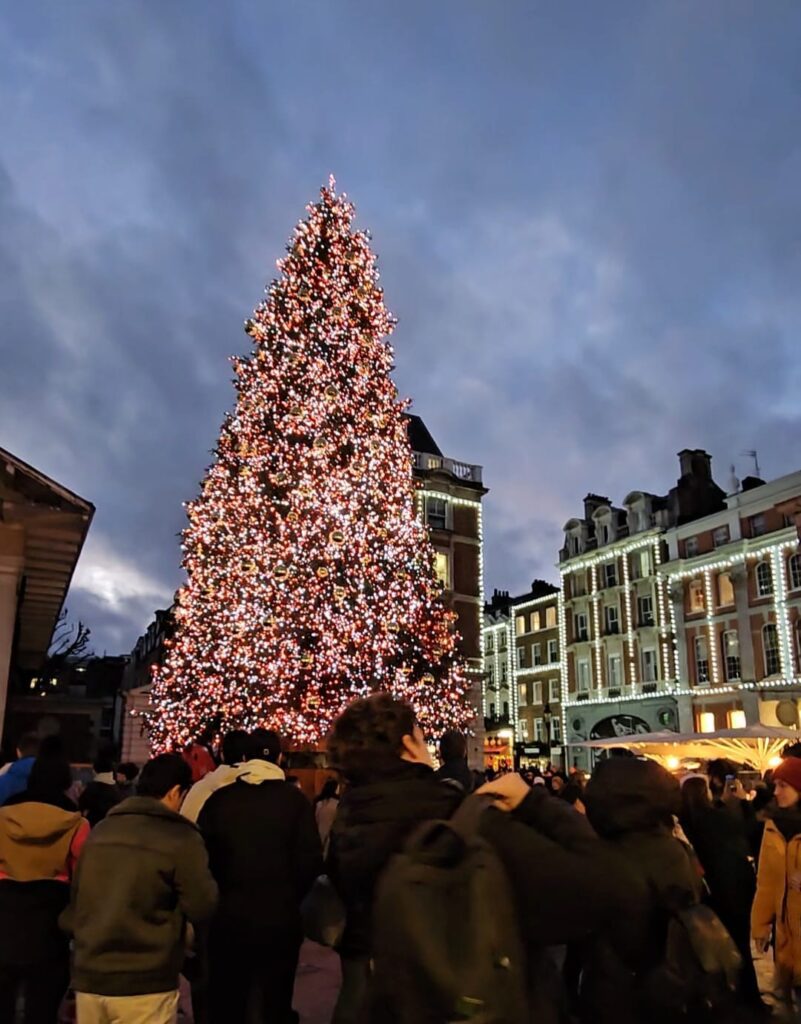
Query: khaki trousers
{"x": 159, "y": 1008}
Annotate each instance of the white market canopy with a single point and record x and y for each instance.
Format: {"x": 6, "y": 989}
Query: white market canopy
{"x": 756, "y": 745}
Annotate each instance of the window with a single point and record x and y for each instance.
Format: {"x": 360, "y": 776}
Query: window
{"x": 522, "y": 728}
{"x": 731, "y": 654}
{"x": 721, "y": 536}
{"x": 691, "y": 547}
{"x": 764, "y": 579}
{"x": 725, "y": 590}
{"x": 523, "y": 691}
{"x": 503, "y": 672}
{"x": 583, "y": 675}
{"x": 491, "y": 677}
{"x": 580, "y": 621}
{"x": 492, "y": 710}
{"x": 770, "y": 643}
{"x": 437, "y": 513}
{"x": 611, "y": 619}
{"x": 610, "y": 574}
{"x": 649, "y": 674}
{"x": 794, "y": 572}
{"x": 697, "y": 600}
{"x": 442, "y": 567}
{"x": 521, "y": 657}
{"x": 615, "y": 671}
{"x": 645, "y": 609}
{"x": 643, "y": 561}
{"x": 520, "y": 625}
{"x": 536, "y": 697}
{"x": 701, "y": 661}
{"x": 489, "y": 645}
{"x": 797, "y": 632}
{"x": 553, "y": 651}
{"x": 758, "y": 525}
{"x": 535, "y": 622}
{"x": 536, "y": 654}
{"x": 550, "y": 617}
{"x": 555, "y": 691}
{"x": 556, "y": 731}
{"x": 502, "y": 641}
{"x": 539, "y": 730}
{"x": 506, "y": 710}
{"x": 579, "y": 586}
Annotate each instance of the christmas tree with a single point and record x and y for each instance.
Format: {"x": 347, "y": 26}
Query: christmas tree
{"x": 310, "y": 579}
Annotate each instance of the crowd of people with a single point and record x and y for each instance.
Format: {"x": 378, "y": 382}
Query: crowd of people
{"x": 207, "y": 869}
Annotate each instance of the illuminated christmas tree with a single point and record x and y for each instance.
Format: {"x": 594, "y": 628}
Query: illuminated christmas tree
{"x": 310, "y": 579}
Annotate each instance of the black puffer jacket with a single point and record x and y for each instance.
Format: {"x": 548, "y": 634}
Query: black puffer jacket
{"x": 564, "y": 884}
{"x": 631, "y": 805}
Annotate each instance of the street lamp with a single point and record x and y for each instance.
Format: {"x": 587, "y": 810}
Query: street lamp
{"x": 547, "y": 715}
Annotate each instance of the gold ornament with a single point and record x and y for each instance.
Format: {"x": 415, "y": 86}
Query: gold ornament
{"x": 280, "y": 479}
{"x": 304, "y": 293}
{"x": 337, "y": 537}
{"x": 254, "y": 329}
{"x": 339, "y": 593}
{"x": 281, "y": 571}
{"x": 323, "y": 571}
{"x": 428, "y": 679}
{"x": 319, "y": 443}
{"x": 363, "y": 291}
{"x": 296, "y": 411}
{"x": 338, "y": 313}
{"x": 331, "y": 392}
{"x": 394, "y": 627}
{"x": 306, "y": 660}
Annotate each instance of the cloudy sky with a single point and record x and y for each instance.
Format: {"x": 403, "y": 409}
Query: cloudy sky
{"x": 588, "y": 218}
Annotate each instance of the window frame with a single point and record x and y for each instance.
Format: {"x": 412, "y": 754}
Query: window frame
{"x": 701, "y": 677}
{"x": 445, "y": 517}
{"x": 718, "y": 538}
{"x": 721, "y": 602}
{"x": 618, "y": 660}
{"x": 763, "y": 589}
{"x": 610, "y": 577}
{"x": 555, "y": 698}
{"x": 550, "y": 617}
{"x": 654, "y": 678}
{"x": 640, "y": 617}
{"x": 608, "y": 610}
{"x": 553, "y": 645}
{"x": 775, "y": 651}
{"x": 536, "y": 655}
{"x": 696, "y": 587}
{"x": 727, "y": 658}
{"x": 521, "y": 658}
{"x": 582, "y": 635}
{"x": 759, "y": 517}
{"x": 794, "y": 572}
{"x": 583, "y": 663}
{"x": 536, "y": 692}
{"x": 692, "y": 546}
{"x": 447, "y": 583}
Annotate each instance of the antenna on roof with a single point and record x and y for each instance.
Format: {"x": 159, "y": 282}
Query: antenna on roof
{"x": 752, "y": 454}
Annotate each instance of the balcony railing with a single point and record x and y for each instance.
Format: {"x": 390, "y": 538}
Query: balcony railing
{"x": 461, "y": 470}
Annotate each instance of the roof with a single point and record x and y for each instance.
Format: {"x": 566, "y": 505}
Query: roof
{"x": 56, "y": 522}
{"x": 420, "y": 438}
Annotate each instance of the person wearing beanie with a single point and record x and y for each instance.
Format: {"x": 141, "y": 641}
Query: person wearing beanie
{"x": 778, "y": 894}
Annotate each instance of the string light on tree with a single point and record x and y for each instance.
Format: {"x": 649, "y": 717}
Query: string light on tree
{"x": 310, "y": 578}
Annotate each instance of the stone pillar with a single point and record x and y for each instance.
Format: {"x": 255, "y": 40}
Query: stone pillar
{"x": 10, "y": 573}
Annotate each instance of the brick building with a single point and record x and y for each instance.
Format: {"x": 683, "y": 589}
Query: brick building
{"x": 734, "y": 580}
{"x": 615, "y": 614}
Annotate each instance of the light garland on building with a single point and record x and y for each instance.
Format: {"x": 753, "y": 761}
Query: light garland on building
{"x": 629, "y": 625}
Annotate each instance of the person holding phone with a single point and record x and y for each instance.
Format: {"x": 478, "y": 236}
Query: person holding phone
{"x": 777, "y": 904}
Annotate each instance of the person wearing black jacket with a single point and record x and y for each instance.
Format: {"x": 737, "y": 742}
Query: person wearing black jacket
{"x": 721, "y": 844}
{"x": 564, "y": 886}
{"x": 102, "y": 793}
{"x": 453, "y": 755}
{"x": 265, "y": 853}
{"x": 631, "y": 804}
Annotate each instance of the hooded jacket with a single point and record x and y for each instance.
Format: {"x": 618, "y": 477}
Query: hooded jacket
{"x": 142, "y": 875}
{"x": 775, "y": 902}
{"x": 39, "y": 847}
{"x": 15, "y": 780}
{"x": 197, "y": 796}
{"x": 631, "y": 804}
{"x": 264, "y": 852}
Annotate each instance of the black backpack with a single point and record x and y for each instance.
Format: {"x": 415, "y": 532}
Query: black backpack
{"x": 698, "y": 974}
{"x": 446, "y": 942}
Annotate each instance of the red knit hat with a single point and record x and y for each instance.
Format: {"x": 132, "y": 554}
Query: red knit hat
{"x": 789, "y": 771}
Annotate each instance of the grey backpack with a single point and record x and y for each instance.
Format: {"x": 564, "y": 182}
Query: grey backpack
{"x": 446, "y": 941}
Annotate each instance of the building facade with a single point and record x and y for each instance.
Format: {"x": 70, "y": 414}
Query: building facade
{"x": 734, "y": 584}
{"x": 449, "y": 495}
{"x": 42, "y": 530}
{"x": 615, "y": 617}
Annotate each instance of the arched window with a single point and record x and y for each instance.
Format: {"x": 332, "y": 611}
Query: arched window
{"x": 764, "y": 579}
{"x": 770, "y": 645}
{"x": 701, "y": 661}
{"x": 794, "y": 572}
{"x": 697, "y": 601}
{"x": 725, "y": 590}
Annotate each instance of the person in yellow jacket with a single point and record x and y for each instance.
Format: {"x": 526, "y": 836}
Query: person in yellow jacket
{"x": 778, "y": 895}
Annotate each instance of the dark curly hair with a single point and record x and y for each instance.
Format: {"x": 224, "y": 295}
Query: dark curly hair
{"x": 367, "y": 738}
